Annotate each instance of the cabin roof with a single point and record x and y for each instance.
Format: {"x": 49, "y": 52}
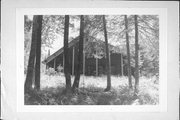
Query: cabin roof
{"x": 54, "y": 55}
{"x": 71, "y": 43}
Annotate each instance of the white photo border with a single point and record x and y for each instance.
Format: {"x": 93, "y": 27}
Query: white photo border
{"x": 161, "y": 107}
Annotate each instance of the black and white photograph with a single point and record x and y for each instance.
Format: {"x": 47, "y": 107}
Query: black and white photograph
{"x": 105, "y": 60}
{"x": 91, "y": 59}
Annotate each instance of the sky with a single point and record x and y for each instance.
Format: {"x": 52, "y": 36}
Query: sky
{"x": 59, "y": 42}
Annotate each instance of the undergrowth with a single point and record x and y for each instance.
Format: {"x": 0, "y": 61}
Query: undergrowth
{"x": 91, "y": 92}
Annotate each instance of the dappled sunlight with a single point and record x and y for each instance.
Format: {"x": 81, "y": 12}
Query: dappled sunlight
{"x": 91, "y": 92}
{"x": 99, "y": 81}
{"x": 52, "y": 81}
{"x": 102, "y": 47}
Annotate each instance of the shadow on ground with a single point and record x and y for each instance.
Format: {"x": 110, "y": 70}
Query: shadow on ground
{"x": 90, "y": 96}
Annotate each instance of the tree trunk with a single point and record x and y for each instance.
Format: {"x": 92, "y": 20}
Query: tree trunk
{"x": 128, "y": 51}
{"x": 136, "y": 56}
{"x": 96, "y": 66}
{"x": 38, "y": 53}
{"x": 66, "y": 54}
{"x": 32, "y": 55}
{"x": 122, "y": 70}
{"x": 107, "y": 57}
{"x": 73, "y": 62}
{"x": 84, "y": 63}
{"x": 80, "y": 55}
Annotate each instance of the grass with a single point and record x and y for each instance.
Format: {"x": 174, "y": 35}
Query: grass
{"x": 91, "y": 92}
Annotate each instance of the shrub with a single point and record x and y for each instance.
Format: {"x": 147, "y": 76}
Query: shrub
{"x": 92, "y": 92}
{"x": 50, "y": 71}
{"x": 60, "y": 69}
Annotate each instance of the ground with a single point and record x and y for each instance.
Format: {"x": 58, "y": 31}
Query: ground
{"x": 91, "y": 92}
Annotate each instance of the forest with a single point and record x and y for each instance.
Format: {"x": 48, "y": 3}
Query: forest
{"x": 103, "y": 60}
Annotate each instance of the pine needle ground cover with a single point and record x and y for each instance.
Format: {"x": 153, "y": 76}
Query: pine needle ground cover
{"x": 91, "y": 92}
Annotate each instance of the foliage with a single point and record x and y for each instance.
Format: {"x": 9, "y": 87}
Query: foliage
{"x": 91, "y": 92}
{"x": 148, "y": 39}
{"x": 27, "y": 24}
{"x": 27, "y": 45}
{"x": 60, "y": 68}
{"x": 53, "y": 26}
{"x": 50, "y": 71}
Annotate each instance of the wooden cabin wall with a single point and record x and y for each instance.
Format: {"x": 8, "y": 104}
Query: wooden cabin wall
{"x": 115, "y": 64}
{"x": 90, "y": 64}
{"x": 59, "y": 61}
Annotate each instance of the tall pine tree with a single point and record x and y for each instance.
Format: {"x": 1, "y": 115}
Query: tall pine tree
{"x": 66, "y": 54}
{"x": 108, "y": 64}
{"x": 80, "y": 55}
{"x": 136, "y": 55}
{"x": 128, "y": 51}
{"x": 38, "y": 53}
{"x": 36, "y": 30}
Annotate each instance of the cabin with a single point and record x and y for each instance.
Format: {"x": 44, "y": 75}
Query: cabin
{"x": 94, "y": 59}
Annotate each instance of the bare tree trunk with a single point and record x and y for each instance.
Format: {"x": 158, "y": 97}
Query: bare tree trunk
{"x": 96, "y": 66}
{"x": 80, "y": 55}
{"x": 84, "y": 63}
{"x": 66, "y": 54}
{"x": 128, "y": 51}
{"x": 122, "y": 70}
{"x": 136, "y": 56}
{"x": 73, "y": 62}
{"x": 38, "y": 53}
{"x": 107, "y": 57}
{"x": 32, "y": 55}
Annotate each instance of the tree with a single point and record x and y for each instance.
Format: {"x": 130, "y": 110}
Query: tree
{"x": 80, "y": 55}
{"x": 66, "y": 54}
{"x": 52, "y": 26}
{"x": 38, "y": 53}
{"x": 148, "y": 35}
{"x": 136, "y": 55}
{"x": 108, "y": 64}
{"x": 128, "y": 51}
{"x": 27, "y": 40}
{"x": 31, "y": 62}
{"x": 27, "y": 24}
{"x": 148, "y": 29}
